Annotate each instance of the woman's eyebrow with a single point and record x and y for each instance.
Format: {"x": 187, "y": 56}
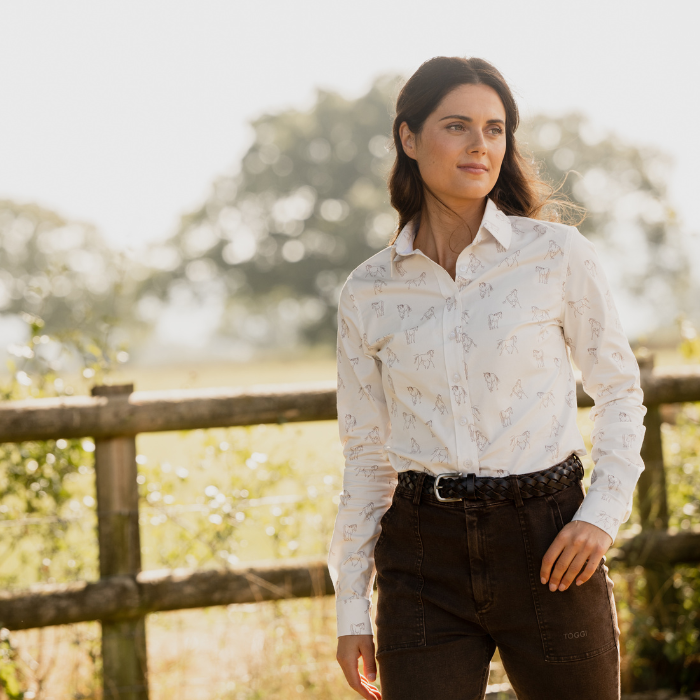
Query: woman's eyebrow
{"x": 469, "y": 119}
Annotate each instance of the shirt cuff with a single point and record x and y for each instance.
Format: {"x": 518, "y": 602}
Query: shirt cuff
{"x": 353, "y": 616}
{"x": 602, "y": 511}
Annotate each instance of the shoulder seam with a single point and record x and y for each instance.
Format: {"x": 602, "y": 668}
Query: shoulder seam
{"x": 358, "y": 268}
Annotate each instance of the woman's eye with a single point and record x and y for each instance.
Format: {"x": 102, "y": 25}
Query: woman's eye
{"x": 458, "y": 126}
{"x": 497, "y": 129}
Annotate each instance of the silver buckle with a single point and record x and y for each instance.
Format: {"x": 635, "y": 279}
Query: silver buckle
{"x": 437, "y": 493}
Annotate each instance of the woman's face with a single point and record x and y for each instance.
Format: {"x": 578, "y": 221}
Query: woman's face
{"x": 467, "y": 128}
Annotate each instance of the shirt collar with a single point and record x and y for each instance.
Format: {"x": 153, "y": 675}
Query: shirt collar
{"x": 497, "y": 223}
{"x": 494, "y": 221}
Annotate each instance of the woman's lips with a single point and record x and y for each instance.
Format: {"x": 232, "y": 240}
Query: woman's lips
{"x": 469, "y": 169}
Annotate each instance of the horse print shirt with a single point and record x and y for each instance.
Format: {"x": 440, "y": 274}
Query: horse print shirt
{"x": 474, "y": 375}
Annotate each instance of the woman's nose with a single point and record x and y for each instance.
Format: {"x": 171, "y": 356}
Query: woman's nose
{"x": 477, "y": 142}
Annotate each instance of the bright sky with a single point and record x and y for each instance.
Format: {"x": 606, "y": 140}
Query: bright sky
{"x": 122, "y": 113}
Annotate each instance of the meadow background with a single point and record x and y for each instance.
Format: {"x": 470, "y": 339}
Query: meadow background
{"x": 184, "y": 190}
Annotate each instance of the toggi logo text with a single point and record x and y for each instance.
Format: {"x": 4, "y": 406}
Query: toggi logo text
{"x": 575, "y": 635}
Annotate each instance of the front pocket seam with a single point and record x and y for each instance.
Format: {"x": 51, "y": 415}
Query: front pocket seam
{"x": 420, "y": 620}
{"x": 402, "y": 645}
{"x": 556, "y": 513}
{"x": 383, "y": 521}
{"x": 611, "y": 603}
{"x": 533, "y": 592}
{"x": 580, "y": 657}
{"x": 551, "y": 658}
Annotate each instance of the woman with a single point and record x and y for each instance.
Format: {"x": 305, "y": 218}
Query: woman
{"x": 457, "y": 413}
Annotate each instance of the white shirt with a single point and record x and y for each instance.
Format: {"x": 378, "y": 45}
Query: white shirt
{"x": 473, "y": 375}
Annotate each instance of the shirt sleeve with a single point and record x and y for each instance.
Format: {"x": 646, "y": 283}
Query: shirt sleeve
{"x": 600, "y": 348}
{"x": 368, "y": 477}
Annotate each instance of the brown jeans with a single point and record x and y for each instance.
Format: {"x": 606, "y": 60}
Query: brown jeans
{"x": 456, "y": 580}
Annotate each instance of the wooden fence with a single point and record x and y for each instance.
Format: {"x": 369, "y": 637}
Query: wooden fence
{"x": 124, "y": 595}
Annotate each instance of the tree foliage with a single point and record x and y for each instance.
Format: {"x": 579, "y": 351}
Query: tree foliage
{"x": 273, "y": 243}
{"x": 278, "y": 238}
{"x": 623, "y": 188}
{"x": 59, "y": 270}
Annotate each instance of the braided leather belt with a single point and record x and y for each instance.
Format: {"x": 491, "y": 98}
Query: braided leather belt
{"x": 448, "y": 487}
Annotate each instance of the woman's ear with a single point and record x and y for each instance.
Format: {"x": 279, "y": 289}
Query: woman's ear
{"x": 408, "y": 140}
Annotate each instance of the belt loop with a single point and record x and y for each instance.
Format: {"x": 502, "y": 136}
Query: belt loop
{"x": 419, "y": 488}
{"x": 515, "y": 489}
{"x": 471, "y": 491}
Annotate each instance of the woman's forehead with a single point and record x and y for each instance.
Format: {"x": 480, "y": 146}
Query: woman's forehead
{"x": 472, "y": 101}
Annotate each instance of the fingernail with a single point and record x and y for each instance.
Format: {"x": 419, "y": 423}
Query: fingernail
{"x": 562, "y": 587}
{"x": 552, "y": 587}
{"x": 372, "y": 676}
{"x": 578, "y": 583}
{"x": 543, "y": 579}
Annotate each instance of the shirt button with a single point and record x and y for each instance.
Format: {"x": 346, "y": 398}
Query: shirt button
{"x": 455, "y": 376}
{"x": 452, "y": 335}
{"x": 462, "y": 268}
{"x": 463, "y": 421}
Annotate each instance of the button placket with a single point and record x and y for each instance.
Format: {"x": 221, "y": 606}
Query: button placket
{"x": 459, "y": 392}
{"x": 450, "y": 315}
{"x": 467, "y": 452}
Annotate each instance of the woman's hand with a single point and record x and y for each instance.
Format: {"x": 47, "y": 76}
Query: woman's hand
{"x": 350, "y": 648}
{"x": 576, "y": 543}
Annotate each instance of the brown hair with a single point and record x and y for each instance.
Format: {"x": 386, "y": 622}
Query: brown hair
{"x": 519, "y": 191}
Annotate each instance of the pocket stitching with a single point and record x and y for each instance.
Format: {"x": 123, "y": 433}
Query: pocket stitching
{"x": 545, "y": 634}
{"x": 383, "y": 521}
{"x": 550, "y": 657}
{"x": 420, "y": 621}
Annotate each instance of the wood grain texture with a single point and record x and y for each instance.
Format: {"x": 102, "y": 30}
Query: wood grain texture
{"x": 119, "y": 598}
{"x": 160, "y": 411}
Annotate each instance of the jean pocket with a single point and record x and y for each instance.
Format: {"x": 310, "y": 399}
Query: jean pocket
{"x": 577, "y": 623}
{"x": 580, "y": 622}
{"x": 399, "y": 618}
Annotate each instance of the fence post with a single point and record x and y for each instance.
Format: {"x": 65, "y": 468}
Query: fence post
{"x": 653, "y": 506}
{"x": 123, "y": 642}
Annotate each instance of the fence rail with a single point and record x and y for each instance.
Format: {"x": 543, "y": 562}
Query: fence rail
{"x": 112, "y": 415}
{"x": 124, "y": 595}
{"x": 127, "y": 597}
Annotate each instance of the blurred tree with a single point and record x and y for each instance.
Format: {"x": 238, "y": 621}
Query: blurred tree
{"x": 278, "y": 239}
{"x": 624, "y": 190}
{"x": 271, "y": 246}
{"x": 61, "y": 277}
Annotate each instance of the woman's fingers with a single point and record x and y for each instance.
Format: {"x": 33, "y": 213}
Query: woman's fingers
{"x": 550, "y": 556}
{"x": 350, "y": 649}
{"x": 563, "y": 562}
{"x": 369, "y": 687}
{"x": 574, "y": 568}
{"x": 590, "y": 567}
{"x": 577, "y": 542}
{"x": 369, "y": 664}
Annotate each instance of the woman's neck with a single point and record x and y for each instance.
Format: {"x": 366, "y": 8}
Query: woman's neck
{"x": 442, "y": 236}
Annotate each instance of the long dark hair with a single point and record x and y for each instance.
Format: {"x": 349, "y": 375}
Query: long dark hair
{"x": 519, "y": 191}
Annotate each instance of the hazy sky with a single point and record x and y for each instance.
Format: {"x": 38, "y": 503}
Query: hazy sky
{"x": 122, "y": 113}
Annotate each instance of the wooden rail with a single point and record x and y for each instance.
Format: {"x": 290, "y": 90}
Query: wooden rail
{"x": 124, "y": 595}
{"x": 128, "y": 597}
{"x": 160, "y": 411}
{"x": 189, "y": 409}
{"x": 131, "y": 597}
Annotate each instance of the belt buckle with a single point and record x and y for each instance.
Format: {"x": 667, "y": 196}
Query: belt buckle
{"x": 437, "y": 492}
